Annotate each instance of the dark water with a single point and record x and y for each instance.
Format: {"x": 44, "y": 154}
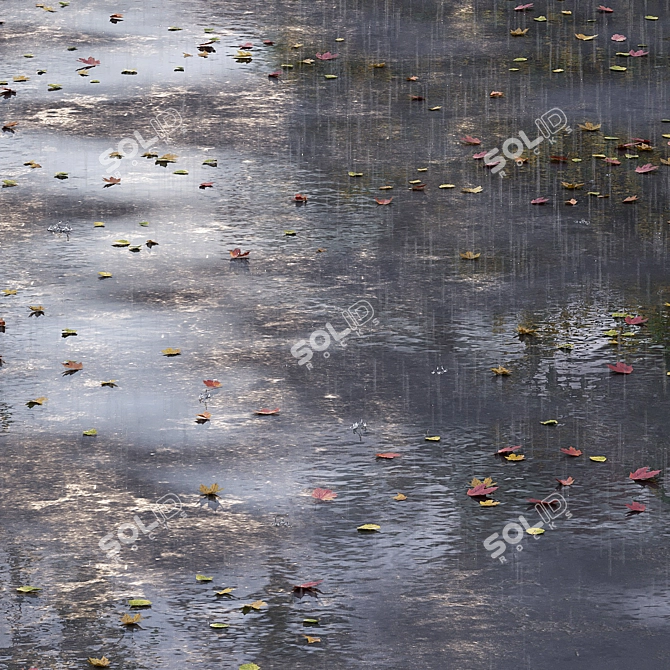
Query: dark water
{"x": 423, "y": 592}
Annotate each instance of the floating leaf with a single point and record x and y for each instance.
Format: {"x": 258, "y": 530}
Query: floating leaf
{"x": 99, "y": 662}
{"x": 642, "y": 474}
{"x": 121, "y": 243}
{"x": 256, "y": 606}
{"x": 217, "y": 624}
{"x": 588, "y": 126}
{"x": 250, "y": 666}
{"x": 618, "y": 68}
{"x": 571, "y": 451}
{"x": 566, "y": 482}
{"x": 518, "y": 32}
{"x": 128, "y": 71}
{"x": 355, "y": 174}
{"x": 515, "y": 457}
{"x": 180, "y": 172}
{"x": 400, "y": 497}
{"x": 109, "y": 384}
{"x": 549, "y": 422}
{"x": 476, "y": 189}
{"x": 92, "y": 432}
{"x": 105, "y": 275}
{"x": 447, "y": 186}
{"x": 535, "y": 531}
{"x": 585, "y": 38}
{"x": 211, "y": 491}
{"x": 139, "y": 602}
{"x": 500, "y": 370}
{"x": 621, "y": 368}
{"x": 171, "y": 352}
{"x": 28, "y": 589}
{"x": 434, "y": 438}
{"x": 598, "y": 459}
{"x": 130, "y": 620}
{"x": 37, "y": 401}
{"x": 312, "y": 640}
{"x": 636, "y": 507}
{"x": 324, "y": 494}
{"x": 468, "y": 139}
{"x": 508, "y": 450}
{"x": 539, "y": 201}
{"x": 53, "y": 87}
{"x": 388, "y": 455}
{"x": 489, "y": 503}
{"x": 267, "y": 412}
{"x": 224, "y": 592}
{"x": 643, "y": 169}
{"x": 202, "y": 578}
{"x": 368, "y": 528}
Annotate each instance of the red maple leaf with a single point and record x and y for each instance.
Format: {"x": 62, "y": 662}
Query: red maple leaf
{"x": 641, "y": 474}
{"x": 630, "y": 198}
{"x": 111, "y": 181}
{"x": 206, "y": 184}
{"x": 635, "y": 320}
{"x": 246, "y": 45}
{"x": 481, "y": 490}
{"x": 327, "y": 56}
{"x": 607, "y": 10}
{"x": 90, "y": 61}
{"x": 480, "y": 155}
{"x": 237, "y": 253}
{"x": 383, "y": 201}
{"x": 612, "y": 161}
{"x": 571, "y": 451}
{"x": 558, "y": 159}
{"x": 566, "y": 482}
{"x": 636, "y": 507}
{"x": 275, "y": 75}
{"x": 299, "y": 197}
{"x": 324, "y": 494}
{"x": 267, "y": 412}
{"x": 521, "y": 8}
{"x": 388, "y": 454}
{"x": 621, "y": 368}
{"x": 642, "y": 169}
{"x": 468, "y": 139}
{"x": 212, "y": 383}
{"x": 416, "y": 97}
{"x": 539, "y": 201}
{"x": 508, "y": 450}
{"x": 418, "y": 187}
{"x": 637, "y": 54}
{"x": 73, "y": 365}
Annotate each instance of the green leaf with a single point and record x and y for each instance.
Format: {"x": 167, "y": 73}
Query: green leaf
{"x": 618, "y": 68}
{"x": 135, "y": 249}
{"x": 649, "y": 17}
{"x": 144, "y": 223}
{"x": 202, "y": 578}
{"x": 250, "y": 666}
{"x": 216, "y": 624}
{"x": 355, "y": 174}
{"x": 540, "y": 18}
{"x": 91, "y": 433}
{"x": 7, "y": 183}
{"x": 520, "y": 60}
{"x": 330, "y": 76}
{"x": 121, "y": 243}
{"x": 28, "y": 589}
{"x": 180, "y": 172}
{"x": 28, "y": 56}
{"x": 310, "y": 622}
{"x": 211, "y": 162}
{"x": 95, "y": 81}
{"x": 139, "y": 602}
{"x": 54, "y": 87}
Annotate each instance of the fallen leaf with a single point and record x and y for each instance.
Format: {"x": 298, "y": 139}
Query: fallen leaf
{"x": 171, "y": 352}
{"x": 368, "y": 528}
{"x": 585, "y": 38}
{"x": 636, "y": 507}
{"x": 618, "y": 38}
{"x": 447, "y": 186}
{"x": 129, "y": 620}
{"x": 203, "y": 417}
{"x": 237, "y": 253}
{"x": 549, "y": 422}
{"x": 482, "y": 488}
{"x": 515, "y": 457}
{"x": 311, "y": 640}
{"x": 638, "y": 54}
{"x": 629, "y": 199}
{"x": 28, "y": 589}
{"x": 151, "y": 243}
{"x": 572, "y": 202}
{"x": 212, "y": 490}
{"x": 202, "y": 578}
{"x": 324, "y": 494}
{"x": 383, "y": 201}
{"x": 535, "y": 531}
{"x": 642, "y": 474}
{"x": 326, "y": 56}
{"x": 105, "y": 275}
{"x": 571, "y": 451}
{"x": 109, "y": 384}
{"x": 566, "y": 482}
{"x": 267, "y": 412}
{"x": 38, "y": 401}
{"x": 500, "y": 370}
{"x": 434, "y": 438}
{"x": 496, "y": 94}
{"x": 212, "y": 383}
{"x": 299, "y": 197}
{"x": 470, "y": 140}
{"x": 73, "y": 365}
{"x": 518, "y": 32}
{"x": 521, "y": 8}
{"x": 612, "y": 161}
{"x": 598, "y": 459}
{"x": 99, "y": 662}
{"x": 206, "y": 184}
{"x": 139, "y": 602}
{"x": 508, "y": 450}
{"x": 539, "y": 201}
{"x": 90, "y": 433}
{"x": 602, "y": 8}
{"x": 476, "y": 189}
{"x": 635, "y": 320}
{"x": 489, "y": 503}
{"x": 588, "y": 126}
{"x": 224, "y": 592}
{"x": 388, "y": 455}
{"x": 111, "y": 181}
{"x": 400, "y": 497}
{"x": 89, "y": 62}
{"x": 621, "y": 368}
{"x": 469, "y": 255}
{"x": 526, "y": 330}
{"x": 217, "y": 624}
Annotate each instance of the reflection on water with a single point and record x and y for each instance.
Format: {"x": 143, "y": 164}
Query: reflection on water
{"x": 424, "y": 591}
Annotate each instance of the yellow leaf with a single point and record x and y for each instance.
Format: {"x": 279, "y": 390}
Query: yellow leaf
{"x": 489, "y": 503}
{"x": 535, "y": 531}
{"x": 489, "y": 482}
{"x": 171, "y": 352}
{"x": 525, "y": 330}
{"x": 500, "y": 370}
{"x": 519, "y": 32}
{"x": 571, "y": 186}
{"x": 589, "y": 126}
{"x": 470, "y": 255}
{"x": 447, "y": 186}
{"x": 98, "y": 224}
{"x": 128, "y": 620}
{"x": 475, "y": 482}
{"x": 202, "y": 578}
{"x": 224, "y": 592}
{"x": 209, "y": 490}
{"x": 257, "y": 604}
{"x": 515, "y": 457}
{"x": 585, "y": 38}
{"x": 549, "y": 422}
{"x": 400, "y": 496}
{"x": 476, "y": 189}
{"x": 598, "y": 459}
{"x": 105, "y": 275}
{"x": 99, "y": 662}
{"x": 312, "y": 640}
{"x": 368, "y": 527}
{"x": 434, "y": 438}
